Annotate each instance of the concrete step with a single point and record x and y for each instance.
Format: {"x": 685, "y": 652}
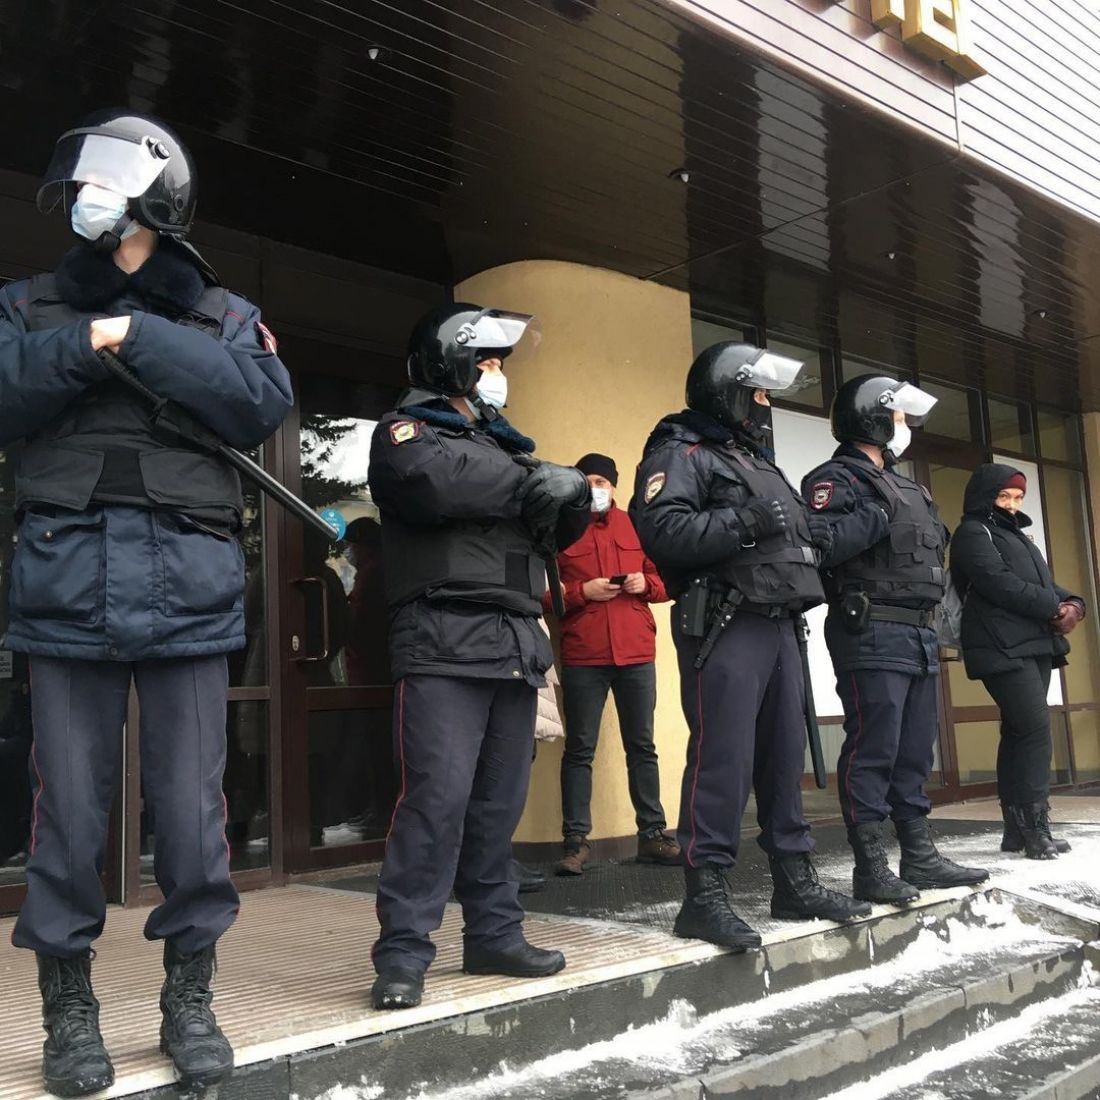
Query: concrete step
{"x": 927, "y": 978}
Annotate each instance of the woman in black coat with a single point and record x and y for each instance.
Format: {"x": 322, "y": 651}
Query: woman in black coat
{"x": 1014, "y": 623}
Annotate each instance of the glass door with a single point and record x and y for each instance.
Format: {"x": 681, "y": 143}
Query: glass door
{"x": 340, "y": 782}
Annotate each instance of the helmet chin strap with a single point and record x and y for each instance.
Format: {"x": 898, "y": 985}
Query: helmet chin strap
{"x": 109, "y": 241}
{"x": 481, "y": 409}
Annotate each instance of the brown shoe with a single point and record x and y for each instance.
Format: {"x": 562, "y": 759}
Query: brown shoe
{"x": 577, "y": 854}
{"x": 660, "y": 848}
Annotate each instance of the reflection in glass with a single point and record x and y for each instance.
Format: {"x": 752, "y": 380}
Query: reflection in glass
{"x": 1058, "y": 435}
{"x": 956, "y": 413}
{"x": 1010, "y": 426}
{"x": 248, "y": 666}
{"x": 352, "y": 780}
{"x": 705, "y": 333}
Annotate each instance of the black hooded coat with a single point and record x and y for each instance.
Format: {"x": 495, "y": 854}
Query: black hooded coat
{"x": 1010, "y": 596}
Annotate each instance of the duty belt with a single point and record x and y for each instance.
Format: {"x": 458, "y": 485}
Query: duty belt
{"x": 884, "y": 613}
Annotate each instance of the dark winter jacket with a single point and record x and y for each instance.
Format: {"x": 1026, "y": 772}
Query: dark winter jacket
{"x": 435, "y": 474}
{"x": 842, "y": 494}
{"x": 1010, "y": 596}
{"x": 690, "y": 509}
{"x": 116, "y": 582}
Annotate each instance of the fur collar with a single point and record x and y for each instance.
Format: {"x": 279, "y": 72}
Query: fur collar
{"x": 168, "y": 281}
{"x": 442, "y": 415}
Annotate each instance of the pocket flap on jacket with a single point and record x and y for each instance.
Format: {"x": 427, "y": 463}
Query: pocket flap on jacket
{"x": 54, "y": 474}
{"x": 189, "y": 479}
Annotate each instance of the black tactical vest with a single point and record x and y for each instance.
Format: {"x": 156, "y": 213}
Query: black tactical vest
{"x": 906, "y": 566}
{"x": 780, "y": 570}
{"x": 490, "y": 562}
{"x": 104, "y": 446}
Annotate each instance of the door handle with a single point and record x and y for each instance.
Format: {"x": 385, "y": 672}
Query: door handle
{"x": 308, "y": 658}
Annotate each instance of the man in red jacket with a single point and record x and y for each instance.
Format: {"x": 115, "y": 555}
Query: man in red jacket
{"x": 608, "y": 641}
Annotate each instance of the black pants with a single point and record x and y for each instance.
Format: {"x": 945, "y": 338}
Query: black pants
{"x": 1023, "y": 756}
{"x": 79, "y": 709}
{"x": 464, "y": 751}
{"x": 584, "y": 694}
{"x": 746, "y": 724}
{"x": 891, "y": 723}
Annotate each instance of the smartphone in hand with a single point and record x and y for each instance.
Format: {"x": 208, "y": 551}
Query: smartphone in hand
{"x": 619, "y": 579}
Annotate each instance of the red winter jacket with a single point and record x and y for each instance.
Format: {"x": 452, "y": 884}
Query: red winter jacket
{"x": 612, "y": 632}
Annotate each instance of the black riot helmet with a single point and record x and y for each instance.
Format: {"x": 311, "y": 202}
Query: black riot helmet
{"x": 447, "y": 344}
{"x": 863, "y": 409}
{"x": 133, "y": 155}
{"x": 724, "y": 377}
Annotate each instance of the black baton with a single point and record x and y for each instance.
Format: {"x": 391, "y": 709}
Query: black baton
{"x": 723, "y": 617}
{"x": 189, "y": 429}
{"x": 813, "y": 734}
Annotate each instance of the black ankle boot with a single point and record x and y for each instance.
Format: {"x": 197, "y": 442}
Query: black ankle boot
{"x": 527, "y": 880}
{"x": 923, "y": 866}
{"x": 189, "y": 1034}
{"x": 707, "y": 913}
{"x": 798, "y": 895}
{"x": 872, "y": 879}
{"x": 1033, "y": 825}
{"x": 1013, "y": 839}
{"x": 74, "y": 1059}
{"x": 397, "y": 987}
{"x": 517, "y": 960}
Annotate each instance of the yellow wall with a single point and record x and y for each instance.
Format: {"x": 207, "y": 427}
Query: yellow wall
{"x": 612, "y": 360}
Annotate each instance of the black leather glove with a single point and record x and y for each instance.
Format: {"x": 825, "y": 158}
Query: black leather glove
{"x": 765, "y": 517}
{"x": 548, "y": 489}
{"x": 821, "y": 533}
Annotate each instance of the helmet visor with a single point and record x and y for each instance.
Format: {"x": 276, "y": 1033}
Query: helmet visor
{"x": 766, "y": 371}
{"x": 497, "y": 329}
{"x": 127, "y": 166}
{"x": 910, "y": 400}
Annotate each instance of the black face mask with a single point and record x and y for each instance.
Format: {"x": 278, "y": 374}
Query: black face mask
{"x": 1012, "y": 517}
{"x": 759, "y": 420}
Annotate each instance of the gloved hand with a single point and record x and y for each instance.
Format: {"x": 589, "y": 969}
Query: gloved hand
{"x": 1068, "y": 616}
{"x": 821, "y": 533}
{"x": 549, "y": 488}
{"x": 764, "y": 517}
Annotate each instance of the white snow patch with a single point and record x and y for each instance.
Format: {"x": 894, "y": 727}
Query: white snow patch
{"x": 363, "y": 1091}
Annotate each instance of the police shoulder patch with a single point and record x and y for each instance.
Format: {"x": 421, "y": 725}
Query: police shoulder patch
{"x": 821, "y": 495}
{"x": 401, "y": 431}
{"x": 654, "y": 484}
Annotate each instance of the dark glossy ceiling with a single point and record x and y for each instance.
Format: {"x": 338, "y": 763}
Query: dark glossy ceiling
{"x": 494, "y": 130}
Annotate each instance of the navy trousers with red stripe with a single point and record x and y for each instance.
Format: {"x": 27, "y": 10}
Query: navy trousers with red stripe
{"x": 78, "y": 710}
{"x": 891, "y": 722}
{"x": 744, "y": 711}
{"x": 464, "y": 751}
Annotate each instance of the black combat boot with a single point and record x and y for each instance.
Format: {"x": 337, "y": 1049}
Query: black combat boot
{"x": 1033, "y": 825}
{"x": 74, "y": 1059}
{"x": 1013, "y": 839}
{"x": 516, "y": 960}
{"x": 872, "y": 879}
{"x": 189, "y": 1034}
{"x": 707, "y": 913}
{"x": 397, "y": 987}
{"x": 923, "y": 866}
{"x": 527, "y": 880}
{"x": 798, "y": 895}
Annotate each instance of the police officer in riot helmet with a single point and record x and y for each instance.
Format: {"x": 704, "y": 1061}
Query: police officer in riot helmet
{"x": 127, "y": 568}
{"x": 884, "y": 577}
{"x": 737, "y": 550}
{"x": 469, "y": 519}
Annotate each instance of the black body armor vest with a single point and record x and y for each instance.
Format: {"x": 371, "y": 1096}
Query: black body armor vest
{"x": 906, "y": 567}
{"x": 781, "y": 570}
{"x": 491, "y": 562}
{"x": 105, "y": 447}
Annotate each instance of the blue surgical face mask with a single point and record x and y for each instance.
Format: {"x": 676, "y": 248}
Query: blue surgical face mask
{"x": 492, "y": 388}
{"x": 98, "y": 211}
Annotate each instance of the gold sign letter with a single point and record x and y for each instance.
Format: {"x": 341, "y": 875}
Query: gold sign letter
{"x": 940, "y": 29}
{"x": 887, "y": 13}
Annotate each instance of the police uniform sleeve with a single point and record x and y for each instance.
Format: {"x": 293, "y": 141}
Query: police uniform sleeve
{"x": 417, "y": 478}
{"x": 858, "y": 520}
{"x": 41, "y": 371}
{"x": 235, "y": 385}
{"x": 675, "y": 527}
{"x": 975, "y": 556}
